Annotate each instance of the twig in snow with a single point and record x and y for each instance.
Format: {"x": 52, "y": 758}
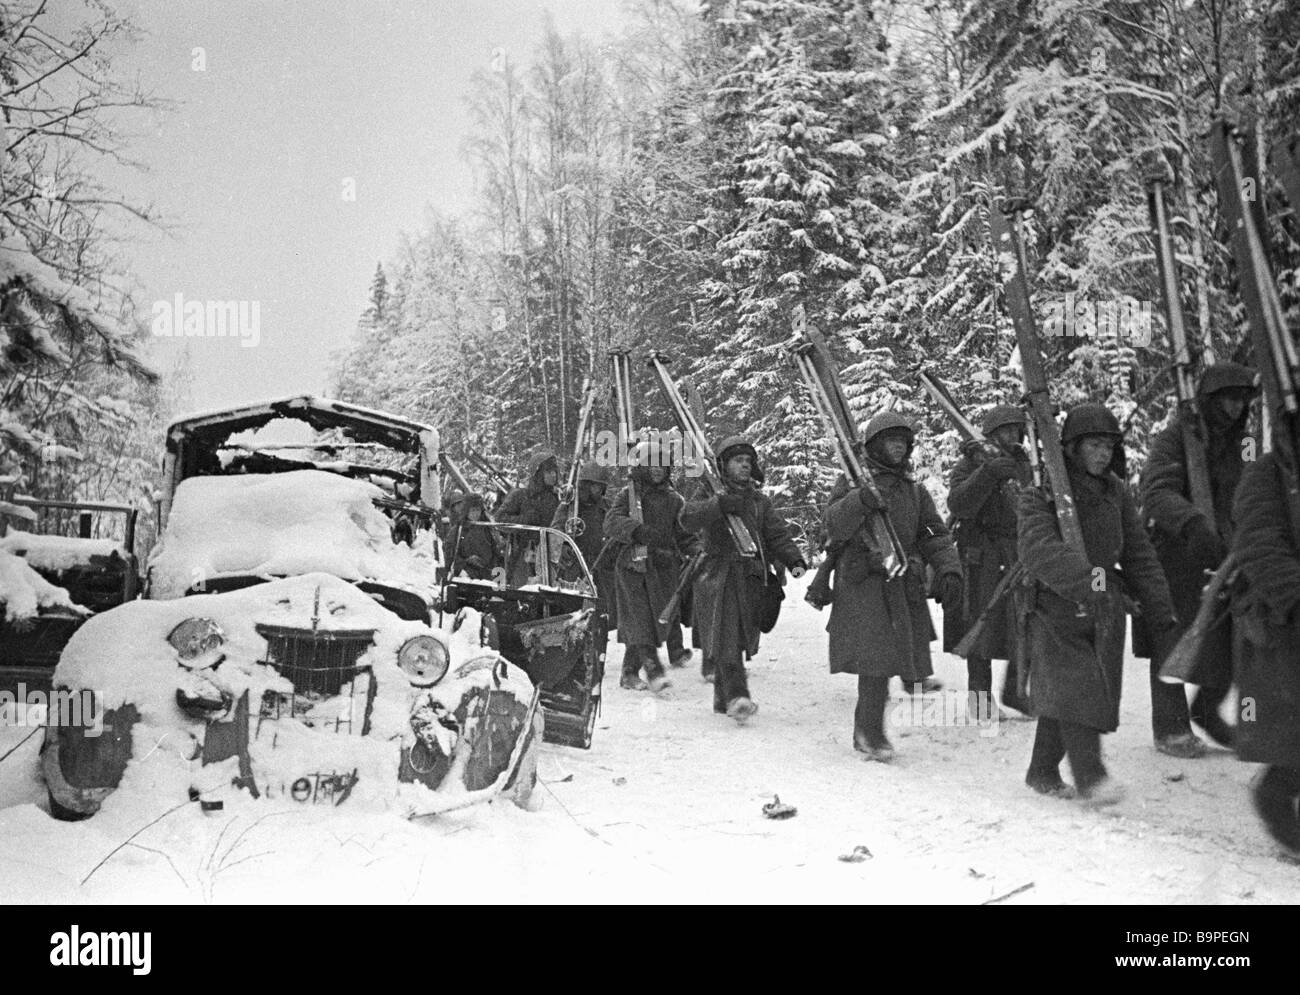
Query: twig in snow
{"x": 20, "y": 743}
{"x": 152, "y": 822}
{"x": 167, "y": 857}
{"x": 1014, "y": 891}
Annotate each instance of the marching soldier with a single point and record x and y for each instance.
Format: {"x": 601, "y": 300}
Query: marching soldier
{"x": 734, "y": 595}
{"x": 1075, "y": 614}
{"x": 982, "y": 494}
{"x": 1266, "y": 611}
{"x": 879, "y": 626}
{"x": 643, "y": 587}
{"x": 535, "y": 502}
{"x": 593, "y": 479}
{"x": 1189, "y": 543}
{"x": 532, "y": 504}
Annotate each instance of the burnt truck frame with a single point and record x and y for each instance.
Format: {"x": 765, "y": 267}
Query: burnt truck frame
{"x": 81, "y": 771}
{"x": 546, "y": 618}
{"x": 29, "y": 650}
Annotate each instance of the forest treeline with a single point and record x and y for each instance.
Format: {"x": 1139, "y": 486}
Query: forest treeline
{"x": 682, "y": 187}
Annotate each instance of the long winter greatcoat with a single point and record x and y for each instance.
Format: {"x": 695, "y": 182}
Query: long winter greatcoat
{"x": 535, "y": 503}
{"x": 728, "y": 593}
{"x": 1267, "y": 545}
{"x": 1166, "y": 508}
{"x": 879, "y": 627}
{"x": 985, "y": 510}
{"x": 1076, "y": 658}
{"x": 590, "y": 542}
{"x": 641, "y": 595}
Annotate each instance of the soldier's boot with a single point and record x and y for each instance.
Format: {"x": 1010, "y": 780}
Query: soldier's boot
{"x": 979, "y": 689}
{"x": 631, "y": 678}
{"x": 678, "y": 655}
{"x": 1275, "y": 794}
{"x": 654, "y": 669}
{"x": 1183, "y": 745}
{"x": 1205, "y": 713}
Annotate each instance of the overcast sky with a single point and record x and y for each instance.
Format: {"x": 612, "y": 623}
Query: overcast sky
{"x": 296, "y": 98}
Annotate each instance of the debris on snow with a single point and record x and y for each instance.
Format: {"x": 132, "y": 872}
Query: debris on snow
{"x": 859, "y": 854}
{"x": 776, "y": 809}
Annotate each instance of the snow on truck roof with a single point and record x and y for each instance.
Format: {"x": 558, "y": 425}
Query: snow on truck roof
{"x": 57, "y": 553}
{"x": 362, "y": 424}
{"x": 282, "y": 525}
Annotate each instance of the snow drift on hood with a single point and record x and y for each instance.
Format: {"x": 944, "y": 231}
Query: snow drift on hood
{"x": 282, "y": 525}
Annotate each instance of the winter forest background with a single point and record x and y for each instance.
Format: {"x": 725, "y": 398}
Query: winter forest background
{"x": 684, "y": 186}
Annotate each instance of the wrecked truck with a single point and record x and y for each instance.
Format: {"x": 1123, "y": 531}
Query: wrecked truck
{"x": 287, "y": 644}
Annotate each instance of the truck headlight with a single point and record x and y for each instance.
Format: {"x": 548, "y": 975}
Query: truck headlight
{"x": 195, "y": 639}
{"x": 424, "y": 660}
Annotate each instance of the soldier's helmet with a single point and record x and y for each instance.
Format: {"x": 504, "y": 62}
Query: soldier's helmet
{"x": 1090, "y": 419}
{"x": 593, "y": 472}
{"x": 734, "y": 444}
{"x": 999, "y": 415}
{"x": 1227, "y": 376}
{"x": 890, "y": 421}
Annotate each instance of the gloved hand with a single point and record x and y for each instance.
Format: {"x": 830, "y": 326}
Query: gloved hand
{"x": 950, "y": 591}
{"x": 971, "y": 448}
{"x": 1203, "y": 542}
{"x": 1001, "y": 467}
{"x": 868, "y": 499}
{"x": 731, "y": 504}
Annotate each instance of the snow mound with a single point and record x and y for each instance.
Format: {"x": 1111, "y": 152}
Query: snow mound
{"x": 24, "y": 592}
{"x": 282, "y": 525}
{"x": 57, "y": 553}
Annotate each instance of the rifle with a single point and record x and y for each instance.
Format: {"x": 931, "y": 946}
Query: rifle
{"x": 495, "y": 477}
{"x": 1279, "y": 365}
{"x": 1179, "y": 664}
{"x": 693, "y": 433}
{"x": 1193, "y": 431}
{"x": 1004, "y": 220}
{"x": 621, "y": 375}
{"x": 455, "y": 473}
{"x": 1014, "y": 574}
{"x": 1279, "y": 360}
{"x": 942, "y": 396}
{"x": 575, "y": 525}
{"x": 812, "y": 358}
{"x": 1045, "y": 436}
{"x": 684, "y": 580}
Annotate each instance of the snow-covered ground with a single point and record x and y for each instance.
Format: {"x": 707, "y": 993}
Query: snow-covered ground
{"x": 667, "y": 806}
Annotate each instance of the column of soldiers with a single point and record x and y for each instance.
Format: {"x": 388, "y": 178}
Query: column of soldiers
{"x": 1061, "y": 631}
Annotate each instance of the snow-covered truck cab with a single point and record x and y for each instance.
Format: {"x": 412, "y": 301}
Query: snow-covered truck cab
{"x": 285, "y": 646}
{"x": 69, "y": 560}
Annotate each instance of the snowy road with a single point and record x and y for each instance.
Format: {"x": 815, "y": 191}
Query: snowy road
{"x": 667, "y": 806}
